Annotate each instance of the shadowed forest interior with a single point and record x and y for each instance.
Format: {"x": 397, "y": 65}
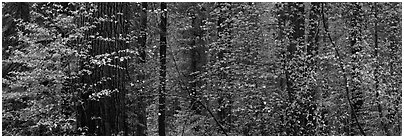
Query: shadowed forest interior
{"x": 201, "y": 68}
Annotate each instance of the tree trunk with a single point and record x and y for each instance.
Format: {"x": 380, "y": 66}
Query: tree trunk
{"x": 163, "y": 50}
{"x": 354, "y": 38}
{"x": 296, "y": 19}
{"x": 197, "y": 56}
{"x": 105, "y": 115}
{"x": 141, "y": 106}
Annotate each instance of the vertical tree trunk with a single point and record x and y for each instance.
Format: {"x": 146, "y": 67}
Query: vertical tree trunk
{"x": 291, "y": 15}
{"x": 105, "y": 115}
{"x": 163, "y": 50}
{"x": 141, "y": 106}
{"x": 296, "y": 18}
{"x": 354, "y": 38}
{"x": 220, "y": 31}
{"x": 197, "y": 56}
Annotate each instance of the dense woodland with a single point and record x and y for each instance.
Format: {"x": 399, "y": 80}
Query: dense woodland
{"x": 201, "y": 68}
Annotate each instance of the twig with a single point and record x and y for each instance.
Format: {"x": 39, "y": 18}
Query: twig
{"x": 343, "y": 70}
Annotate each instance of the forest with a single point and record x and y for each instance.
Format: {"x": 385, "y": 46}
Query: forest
{"x": 201, "y": 68}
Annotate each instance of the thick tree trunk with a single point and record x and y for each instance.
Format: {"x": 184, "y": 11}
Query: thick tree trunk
{"x": 162, "y": 89}
{"x": 105, "y": 115}
{"x": 141, "y": 105}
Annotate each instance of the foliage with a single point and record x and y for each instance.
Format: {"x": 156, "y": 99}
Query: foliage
{"x": 232, "y": 68}
{"x": 41, "y": 85}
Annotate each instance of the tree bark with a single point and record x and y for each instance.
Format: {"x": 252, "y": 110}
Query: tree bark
{"x": 354, "y": 38}
{"x": 296, "y": 19}
{"x": 141, "y": 113}
{"x": 197, "y": 56}
{"x": 163, "y": 50}
{"x": 105, "y": 115}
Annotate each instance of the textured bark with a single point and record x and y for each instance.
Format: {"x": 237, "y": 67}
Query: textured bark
{"x": 162, "y": 89}
{"x": 141, "y": 105}
{"x": 197, "y": 56}
{"x": 354, "y": 38}
{"x": 296, "y": 19}
{"x": 105, "y": 116}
